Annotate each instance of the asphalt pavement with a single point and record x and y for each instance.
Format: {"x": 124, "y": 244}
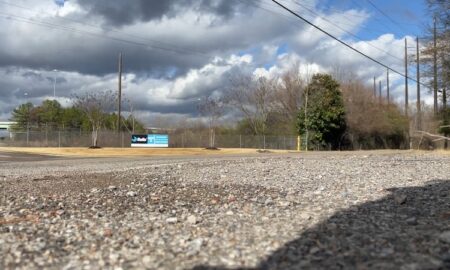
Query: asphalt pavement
{"x": 6, "y": 157}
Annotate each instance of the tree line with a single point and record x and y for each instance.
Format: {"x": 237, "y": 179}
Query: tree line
{"x": 85, "y": 112}
{"x": 90, "y": 111}
{"x": 327, "y": 113}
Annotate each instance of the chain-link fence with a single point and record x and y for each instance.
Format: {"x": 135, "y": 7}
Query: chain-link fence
{"x": 186, "y": 140}
{"x": 200, "y": 139}
{"x": 177, "y": 140}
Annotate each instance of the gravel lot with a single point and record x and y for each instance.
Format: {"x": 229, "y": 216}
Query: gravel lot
{"x": 362, "y": 210}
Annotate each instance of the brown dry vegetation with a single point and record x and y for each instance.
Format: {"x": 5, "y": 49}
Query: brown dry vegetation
{"x": 372, "y": 122}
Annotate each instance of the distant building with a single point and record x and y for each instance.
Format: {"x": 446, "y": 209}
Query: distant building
{"x": 5, "y": 129}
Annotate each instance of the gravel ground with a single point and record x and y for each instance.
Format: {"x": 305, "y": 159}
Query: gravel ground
{"x": 316, "y": 211}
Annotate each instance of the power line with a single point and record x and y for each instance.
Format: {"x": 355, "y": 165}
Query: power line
{"x": 346, "y": 15}
{"x": 184, "y": 51}
{"x": 334, "y": 23}
{"x": 71, "y": 29}
{"x": 354, "y": 15}
{"x": 376, "y": 18}
{"x": 163, "y": 45}
{"x": 84, "y": 32}
{"x": 346, "y": 31}
{"x": 338, "y": 40}
{"x": 339, "y": 12}
{"x": 337, "y": 23}
{"x": 386, "y": 15}
{"x": 98, "y": 28}
{"x": 258, "y": 4}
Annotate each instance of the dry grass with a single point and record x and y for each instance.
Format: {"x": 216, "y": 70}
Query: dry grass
{"x": 136, "y": 152}
{"x": 121, "y": 152}
{"x": 439, "y": 151}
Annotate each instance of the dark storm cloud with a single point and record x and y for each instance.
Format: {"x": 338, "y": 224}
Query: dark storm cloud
{"x": 165, "y": 49}
{"x": 119, "y": 12}
{"x": 127, "y": 12}
{"x": 186, "y": 107}
{"x": 100, "y": 58}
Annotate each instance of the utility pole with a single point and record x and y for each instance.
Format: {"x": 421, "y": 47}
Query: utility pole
{"x": 444, "y": 94}
{"x": 306, "y": 121}
{"x": 444, "y": 107}
{"x": 444, "y": 97}
{"x": 54, "y": 83}
{"x": 435, "y": 78}
{"x": 120, "y": 93}
{"x": 374, "y": 87}
{"x": 387, "y": 85}
{"x": 379, "y": 90}
{"x": 419, "y": 117}
{"x": 406, "y": 77}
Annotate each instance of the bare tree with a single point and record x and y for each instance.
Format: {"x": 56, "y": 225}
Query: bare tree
{"x": 342, "y": 74}
{"x": 371, "y": 123}
{"x": 131, "y": 116}
{"x": 289, "y": 93}
{"x": 96, "y": 106}
{"x": 213, "y": 109}
{"x": 254, "y": 98}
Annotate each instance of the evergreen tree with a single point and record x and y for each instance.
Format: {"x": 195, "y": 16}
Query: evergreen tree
{"x": 50, "y": 113}
{"x": 322, "y": 113}
{"x": 23, "y": 116}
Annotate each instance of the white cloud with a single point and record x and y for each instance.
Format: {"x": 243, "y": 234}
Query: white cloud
{"x": 207, "y": 47}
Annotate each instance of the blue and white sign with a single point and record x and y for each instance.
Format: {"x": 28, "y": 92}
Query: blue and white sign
{"x": 150, "y": 140}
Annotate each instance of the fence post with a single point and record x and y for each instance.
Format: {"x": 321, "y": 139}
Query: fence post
{"x": 46, "y": 135}
{"x": 240, "y": 141}
{"x": 59, "y": 138}
{"x": 122, "y": 140}
{"x": 28, "y": 134}
{"x": 264, "y": 141}
{"x": 298, "y": 143}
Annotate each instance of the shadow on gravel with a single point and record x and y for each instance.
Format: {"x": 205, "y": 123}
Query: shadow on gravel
{"x": 408, "y": 229}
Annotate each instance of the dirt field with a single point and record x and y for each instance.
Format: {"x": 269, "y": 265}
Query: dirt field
{"x": 118, "y": 152}
{"x": 142, "y": 152}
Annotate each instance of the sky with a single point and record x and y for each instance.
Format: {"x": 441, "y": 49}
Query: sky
{"x": 177, "y": 52}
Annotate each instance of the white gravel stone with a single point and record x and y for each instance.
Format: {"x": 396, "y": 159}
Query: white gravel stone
{"x": 445, "y": 237}
{"x": 112, "y": 188}
{"x": 172, "y": 220}
{"x": 192, "y": 219}
{"x": 349, "y": 210}
{"x": 131, "y": 194}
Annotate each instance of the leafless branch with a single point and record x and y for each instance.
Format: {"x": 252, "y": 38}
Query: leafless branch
{"x": 95, "y": 105}
{"x": 439, "y": 137}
